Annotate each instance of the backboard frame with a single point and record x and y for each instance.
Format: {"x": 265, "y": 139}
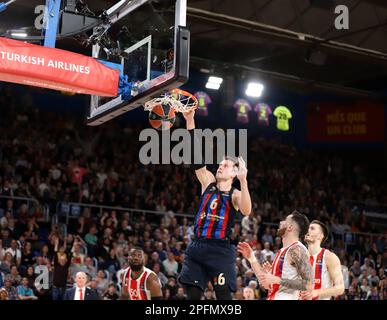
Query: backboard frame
{"x": 173, "y": 79}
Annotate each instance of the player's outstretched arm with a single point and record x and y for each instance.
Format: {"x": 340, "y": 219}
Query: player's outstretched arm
{"x": 248, "y": 253}
{"x": 154, "y": 286}
{"x": 243, "y": 197}
{"x": 204, "y": 176}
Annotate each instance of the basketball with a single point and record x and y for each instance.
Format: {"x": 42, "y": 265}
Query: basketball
{"x": 162, "y": 116}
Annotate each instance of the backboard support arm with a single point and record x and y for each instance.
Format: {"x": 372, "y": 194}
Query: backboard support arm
{"x": 51, "y": 19}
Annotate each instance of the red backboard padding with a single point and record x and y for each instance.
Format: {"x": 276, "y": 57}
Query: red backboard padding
{"x": 56, "y": 69}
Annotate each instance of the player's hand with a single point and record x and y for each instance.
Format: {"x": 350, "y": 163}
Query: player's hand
{"x": 245, "y": 249}
{"x": 189, "y": 115}
{"x": 242, "y": 170}
{"x": 308, "y": 295}
{"x": 267, "y": 279}
{"x": 267, "y": 266}
{"x": 262, "y": 280}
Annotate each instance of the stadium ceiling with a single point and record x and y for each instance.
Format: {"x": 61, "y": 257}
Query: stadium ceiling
{"x": 264, "y": 36}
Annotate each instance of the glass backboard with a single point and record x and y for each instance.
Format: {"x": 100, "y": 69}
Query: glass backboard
{"x": 147, "y": 42}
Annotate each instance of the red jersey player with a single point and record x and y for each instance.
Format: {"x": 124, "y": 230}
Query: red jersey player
{"x": 291, "y": 271}
{"x": 139, "y": 282}
{"x": 328, "y": 276}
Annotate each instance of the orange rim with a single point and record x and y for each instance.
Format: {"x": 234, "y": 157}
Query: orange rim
{"x": 186, "y": 94}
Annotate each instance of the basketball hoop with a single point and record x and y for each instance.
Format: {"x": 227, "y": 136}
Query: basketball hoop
{"x": 179, "y": 100}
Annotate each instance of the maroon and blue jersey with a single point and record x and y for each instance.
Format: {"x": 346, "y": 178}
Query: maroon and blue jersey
{"x": 243, "y": 108}
{"x": 216, "y": 214}
{"x": 203, "y": 101}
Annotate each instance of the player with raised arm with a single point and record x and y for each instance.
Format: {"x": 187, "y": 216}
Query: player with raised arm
{"x": 291, "y": 271}
{"x": 139, "y": 282}
{"x": 328, "y": 277}
{"x": 210, "y": 256}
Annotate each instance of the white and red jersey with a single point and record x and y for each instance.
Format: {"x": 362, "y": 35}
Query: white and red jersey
{"x": 136, "y": 288}
{"x": 282, "y": 268}
{"x": 322, "y": 278}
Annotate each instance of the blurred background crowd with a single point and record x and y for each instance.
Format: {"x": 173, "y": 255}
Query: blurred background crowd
{"x": 75, "y": 198}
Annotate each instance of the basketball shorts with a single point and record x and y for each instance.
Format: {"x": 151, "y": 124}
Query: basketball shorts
{"x": 209, "y": 260}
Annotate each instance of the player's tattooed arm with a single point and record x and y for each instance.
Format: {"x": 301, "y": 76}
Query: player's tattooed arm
{"x": 300, "y": 260}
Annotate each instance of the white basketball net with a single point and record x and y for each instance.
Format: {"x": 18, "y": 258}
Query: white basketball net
{"x": 177, "y": 101}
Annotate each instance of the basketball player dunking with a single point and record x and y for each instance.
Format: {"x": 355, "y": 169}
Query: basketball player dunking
{"x": 139, "y": 282}
{"x": 210, "y": 256}
{"x": 328, "y": 277}
{"x": 291, "y": 271}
